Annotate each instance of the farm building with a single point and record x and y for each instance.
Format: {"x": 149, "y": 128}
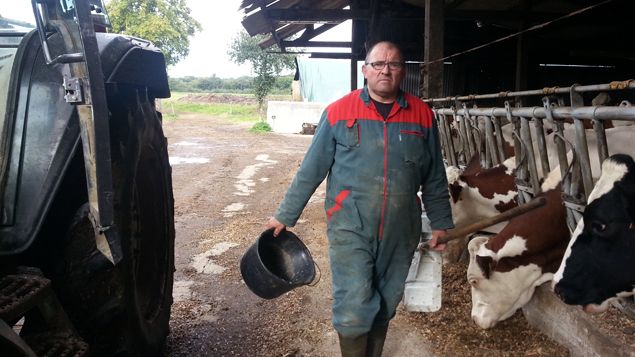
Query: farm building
{"x": 561, "y": 68}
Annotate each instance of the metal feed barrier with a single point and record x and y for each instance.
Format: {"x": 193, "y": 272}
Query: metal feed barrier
{"x": 467, "y": 129}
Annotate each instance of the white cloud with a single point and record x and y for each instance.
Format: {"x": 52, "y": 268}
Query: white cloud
{"x": 221, "y": 22}
{"x": 22, "y": 12}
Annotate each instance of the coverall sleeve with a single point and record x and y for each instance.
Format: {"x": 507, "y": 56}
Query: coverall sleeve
{"x": 435, "y": 196}
{"x": 314, "y": 168}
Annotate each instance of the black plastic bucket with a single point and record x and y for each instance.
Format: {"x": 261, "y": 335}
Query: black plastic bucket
{"x": 274, "y": 265}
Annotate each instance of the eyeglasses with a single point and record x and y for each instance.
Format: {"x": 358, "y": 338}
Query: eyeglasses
{"x": 379, "y": 65}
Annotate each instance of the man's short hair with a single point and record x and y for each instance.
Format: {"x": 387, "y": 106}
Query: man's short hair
{"x": 390, "y": 45}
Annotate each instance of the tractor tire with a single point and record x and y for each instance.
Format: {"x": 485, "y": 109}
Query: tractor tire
{"x": 125, "y": 309}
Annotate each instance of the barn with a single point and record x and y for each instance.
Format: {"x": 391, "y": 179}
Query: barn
{"x": 558, "y": 73}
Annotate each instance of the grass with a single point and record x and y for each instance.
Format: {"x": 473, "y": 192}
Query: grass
{"x": 237, "y": 112}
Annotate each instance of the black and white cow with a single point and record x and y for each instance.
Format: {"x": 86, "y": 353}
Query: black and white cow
{"x": 599, "y": 263}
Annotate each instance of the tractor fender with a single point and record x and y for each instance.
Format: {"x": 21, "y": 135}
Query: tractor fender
{"x": 42, "y": 144}
{"x": 130, "y": 60}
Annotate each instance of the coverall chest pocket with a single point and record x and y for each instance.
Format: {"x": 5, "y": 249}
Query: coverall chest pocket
{"x": 412, "y": 146}
{"x": 349, "y": 135}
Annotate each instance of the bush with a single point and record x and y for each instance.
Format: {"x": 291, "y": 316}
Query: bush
{"x": 261, "y": 127}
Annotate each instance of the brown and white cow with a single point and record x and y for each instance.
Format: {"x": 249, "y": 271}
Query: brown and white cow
{"x": 477, "y": 193}
{"x": 496, "y": 293}
{"x": 599, "y": 263}
{"x": 504, "y": 270}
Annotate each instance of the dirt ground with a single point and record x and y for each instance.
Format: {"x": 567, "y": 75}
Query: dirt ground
{"x": 227, "y": 182}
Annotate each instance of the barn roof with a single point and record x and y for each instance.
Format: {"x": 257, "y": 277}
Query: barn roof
{"x": 481, "y": 45}
{"x": 293, "y": 23}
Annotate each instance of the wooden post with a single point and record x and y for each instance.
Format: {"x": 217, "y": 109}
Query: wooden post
{"x": 354, "y": 48}
{"x": 433, "y": 49}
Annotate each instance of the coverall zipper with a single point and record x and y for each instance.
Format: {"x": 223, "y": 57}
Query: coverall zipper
{"x": 383, "y": 207}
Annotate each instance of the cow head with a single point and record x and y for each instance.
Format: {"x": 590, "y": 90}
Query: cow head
{"x": 504, "y": 270}
{"x": 599, "y": 264}
{"x": 478, "y": 193}
{"x": 497, "y": 295}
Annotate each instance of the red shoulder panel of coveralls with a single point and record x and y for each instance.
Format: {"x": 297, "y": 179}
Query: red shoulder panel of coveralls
{"x": 351, "y": 107}
{"x": 417, "y": 112}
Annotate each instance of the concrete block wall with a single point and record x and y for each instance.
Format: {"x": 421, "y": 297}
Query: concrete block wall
{"x": 288, "y": 117}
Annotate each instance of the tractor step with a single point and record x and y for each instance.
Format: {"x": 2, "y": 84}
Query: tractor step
{"x": 59, "y": 344}
{"x": 30, "y": 294}
{"x": 20, "y": 293}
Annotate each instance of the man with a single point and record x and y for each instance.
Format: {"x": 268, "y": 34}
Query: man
{"x": 378, "y": 145}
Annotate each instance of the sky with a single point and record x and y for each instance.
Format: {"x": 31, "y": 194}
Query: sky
{"x": 221, "y": 21}
{"x": 23, "y": 12}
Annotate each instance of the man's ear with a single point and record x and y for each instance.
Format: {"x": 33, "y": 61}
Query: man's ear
{"x": 364, "y": 70}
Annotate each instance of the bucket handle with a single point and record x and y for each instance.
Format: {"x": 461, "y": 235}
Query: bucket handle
{"x": 319, "y": 276}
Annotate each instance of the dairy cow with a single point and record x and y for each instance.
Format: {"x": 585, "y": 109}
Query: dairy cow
{"x": 478, "y": 193}
{"x": 496, "y": 293}
{"x": 504, "y": 270}
{"x": 599, "y": 263}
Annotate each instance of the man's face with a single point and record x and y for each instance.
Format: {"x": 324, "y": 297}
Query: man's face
{"x": 383, "y": 83}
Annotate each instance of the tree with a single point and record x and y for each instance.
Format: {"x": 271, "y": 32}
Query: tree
{"x": 265, "y": 65}
{"x": 167, "y": 23}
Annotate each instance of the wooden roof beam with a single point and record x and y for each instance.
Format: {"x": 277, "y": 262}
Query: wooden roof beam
{"x": 311, "y": 31}
{"x": 274, "y": 30}
{"x": 332, "y": 55}
{"x": 305, "y": 43}
{"x": 326, "y": 16}
{"x": 281, "y": 33}
{"x": 258, "y": 22}
{"x": 507, "y": 15}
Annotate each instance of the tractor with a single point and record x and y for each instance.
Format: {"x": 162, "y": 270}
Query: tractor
{"x": 86, "y": 203}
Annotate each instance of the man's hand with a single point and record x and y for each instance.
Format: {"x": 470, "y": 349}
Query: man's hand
{"x": 276, "y": 225}
{"x": 433, "y": 242}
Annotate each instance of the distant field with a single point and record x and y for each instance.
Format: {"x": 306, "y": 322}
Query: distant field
{"x": 236, "y": 107}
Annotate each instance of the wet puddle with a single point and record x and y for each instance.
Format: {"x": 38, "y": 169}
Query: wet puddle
{"x": 182, "y": 290}
{"x": 177, "y": 160}
{"x": 245, "y": 179}
{"x": 203, "y": 262}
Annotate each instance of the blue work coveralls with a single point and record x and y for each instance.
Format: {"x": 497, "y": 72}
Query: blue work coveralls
{"x": 375, "y": 168}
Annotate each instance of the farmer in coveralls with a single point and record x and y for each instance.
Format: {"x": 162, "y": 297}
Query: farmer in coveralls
{"x": 378, "y": 146}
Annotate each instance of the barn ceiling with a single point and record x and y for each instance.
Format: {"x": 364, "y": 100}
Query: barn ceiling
{"x": 603, "y": 32}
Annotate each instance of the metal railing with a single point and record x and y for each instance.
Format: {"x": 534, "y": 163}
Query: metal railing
{"x": 467, "y": 129}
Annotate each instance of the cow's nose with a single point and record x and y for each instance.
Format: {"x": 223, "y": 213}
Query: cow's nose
{"x": 483, "y": 323}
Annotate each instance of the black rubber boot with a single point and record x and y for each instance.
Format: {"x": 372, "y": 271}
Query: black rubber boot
{"x": 353, "y": 347}
{"x": 376, "y": 338}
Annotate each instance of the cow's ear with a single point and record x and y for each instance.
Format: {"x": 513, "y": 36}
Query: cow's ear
{"x": 627, "y": 187}
{"x": 475, "y": 243}
{"x": 486, "y": 264}
{"x": 455, "y": 191}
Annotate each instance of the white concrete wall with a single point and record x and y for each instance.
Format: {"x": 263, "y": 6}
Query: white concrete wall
{"x": 287, "y": 117}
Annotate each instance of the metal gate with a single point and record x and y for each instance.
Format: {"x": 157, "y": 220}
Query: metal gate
{"x": 477, "y": 124}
